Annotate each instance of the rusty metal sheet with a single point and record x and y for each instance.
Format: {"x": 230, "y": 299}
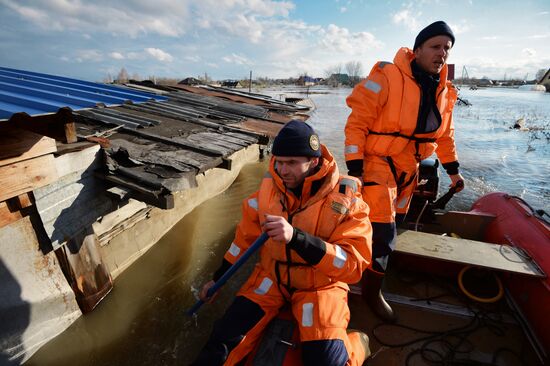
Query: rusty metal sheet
{"x": 36, "y": 302}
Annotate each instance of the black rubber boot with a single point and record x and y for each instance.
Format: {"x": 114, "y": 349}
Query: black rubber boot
{"x": 370, "y": 289}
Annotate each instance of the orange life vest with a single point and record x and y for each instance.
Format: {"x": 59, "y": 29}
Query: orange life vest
{"x": 393, "y": 130}
{"x": 319, "y": 218}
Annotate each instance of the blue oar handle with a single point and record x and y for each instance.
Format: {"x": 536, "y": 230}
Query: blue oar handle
{"x": 234, "y": 268}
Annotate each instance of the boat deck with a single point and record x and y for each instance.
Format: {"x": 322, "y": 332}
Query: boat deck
{"x": 438, "y": 325}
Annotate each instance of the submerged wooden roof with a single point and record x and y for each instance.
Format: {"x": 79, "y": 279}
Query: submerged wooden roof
{"x": 150, "y": 150}
{"x": 158, "y": 148}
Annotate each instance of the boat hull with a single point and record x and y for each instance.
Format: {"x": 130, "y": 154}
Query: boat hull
{"x": 517, "y": 224}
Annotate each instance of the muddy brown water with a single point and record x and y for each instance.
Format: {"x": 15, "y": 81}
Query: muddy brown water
{"x": 143, "y": 320}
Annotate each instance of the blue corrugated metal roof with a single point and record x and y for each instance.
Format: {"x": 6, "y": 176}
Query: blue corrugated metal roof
{"x": 35, "y": 93}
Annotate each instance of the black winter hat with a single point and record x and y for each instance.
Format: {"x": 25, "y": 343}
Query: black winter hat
{"x": 297, "y": 138}
{"x": 435, "y": 29}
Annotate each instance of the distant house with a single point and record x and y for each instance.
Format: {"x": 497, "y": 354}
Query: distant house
{"x": 231, "y": 84}
{"x": 338, "y": 80}
{"x": 307, "y": 81}
{"x": 190, "y": 81}
{"x": 546, "y": 80}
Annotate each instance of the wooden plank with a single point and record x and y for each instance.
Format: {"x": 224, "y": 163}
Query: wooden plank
{"x": 467, "y": 225}
{"x": 70, "y": 132}
{"x": 117, "y": 221}
{"x": 15, "y": 208}
{"x": 63, "y": 148}
{"x": 7, "y": 216}
{"x": 17, "y": 145}
{"x": 140, "y": 193}
{"x": 27, "y": 175}
{"x": 476, "y": 253}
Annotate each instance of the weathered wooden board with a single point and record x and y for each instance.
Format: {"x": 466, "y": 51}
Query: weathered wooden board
{"x": 26, "y": 175}
{"x": 17, "y": 145}
{"x": 13, "y": 209}
{"x": 7, "y": 216}
{"x": 476, "y": 253}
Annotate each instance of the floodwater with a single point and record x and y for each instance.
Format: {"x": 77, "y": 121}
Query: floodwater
{"x": 143, "y": 320}
{"x": 493, "y": 157}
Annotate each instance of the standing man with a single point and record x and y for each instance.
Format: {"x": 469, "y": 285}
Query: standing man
{"x": 400, "y": 115}
{"x": 319, "y": 241}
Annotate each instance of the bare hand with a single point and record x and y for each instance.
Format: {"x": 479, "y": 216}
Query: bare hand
{"x": 278, "y": 228}
{"x": 203, "y": 295}
{"x": 457, "y": 181}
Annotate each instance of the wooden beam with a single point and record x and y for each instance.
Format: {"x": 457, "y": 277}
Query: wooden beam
{"x": 70, "y": 133}
{"x": 69, "y": 127}
{"x": 18, "y": 144}
{"x": 7, "y": 216}
{"x": 59, "y": 126}
{"x": 155, "y": 198}
{"x": 24, "y": 176}
{"x": 15, "y": 208}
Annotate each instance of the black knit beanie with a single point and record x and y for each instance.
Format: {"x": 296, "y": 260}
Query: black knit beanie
{"x": 435, "y": 29}
{"x": 297, "y": 138}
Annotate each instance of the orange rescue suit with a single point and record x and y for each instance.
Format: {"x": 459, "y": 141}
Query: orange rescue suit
{"x": 330, "y": 208}
{"x": 381, "y": 131}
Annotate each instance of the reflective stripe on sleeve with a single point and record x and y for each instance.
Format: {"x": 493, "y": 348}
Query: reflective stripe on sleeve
{"x": 253, "y": 202}
{"x": 351, "y": 149}
{"x": 340, "y": 257}
{"x": 307, "y": 314}
{"x": 350, "y": 183}
{"x": 264, "y": 286}
{"x": 234, "y": 250}
{"x": 373, "y": 86}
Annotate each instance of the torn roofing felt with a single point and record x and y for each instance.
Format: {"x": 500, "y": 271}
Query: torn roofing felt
{"x": 157, "y": 148}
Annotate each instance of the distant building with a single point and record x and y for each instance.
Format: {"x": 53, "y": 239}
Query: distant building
{"x": 546, "y": 80}
{"x": 307, "y": 81}
{"x": 231, "y": 84}
{"x": 190, "y": 81}
{"x": 338, "y": 80}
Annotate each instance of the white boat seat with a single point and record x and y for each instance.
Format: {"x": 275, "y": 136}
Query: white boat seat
{"x": 470, "y": 252}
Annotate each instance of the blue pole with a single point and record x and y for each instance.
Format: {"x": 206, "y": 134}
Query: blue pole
{"x": 234, "y": 268}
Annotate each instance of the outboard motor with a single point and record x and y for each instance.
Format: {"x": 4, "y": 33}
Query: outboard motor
{"x": 425, "y": 192}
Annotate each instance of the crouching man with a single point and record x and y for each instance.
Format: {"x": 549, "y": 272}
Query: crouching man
{"x": 319, "y": 242}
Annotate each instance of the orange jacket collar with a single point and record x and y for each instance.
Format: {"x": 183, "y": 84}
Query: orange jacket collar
{"x": 403, "y": 59}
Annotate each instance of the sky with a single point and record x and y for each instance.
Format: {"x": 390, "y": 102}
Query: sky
{"x": 226, "y": 39}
